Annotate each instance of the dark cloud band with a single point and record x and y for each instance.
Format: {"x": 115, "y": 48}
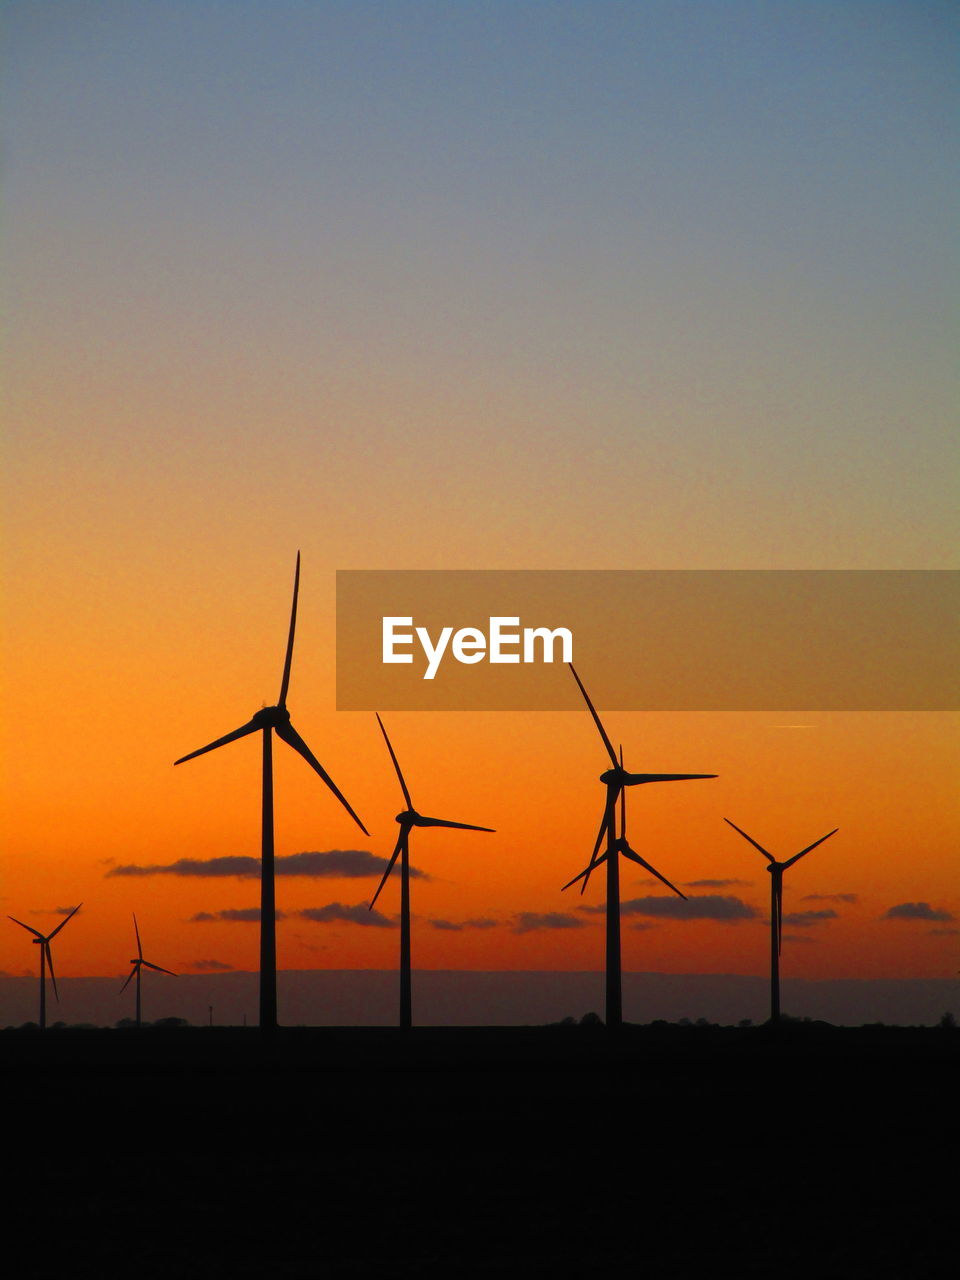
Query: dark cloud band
{"x": 335, "y": 863}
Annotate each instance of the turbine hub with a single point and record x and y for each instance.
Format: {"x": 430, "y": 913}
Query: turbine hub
{"x": 408, "y": 818}
{"x": 612, "y": 776}
{"x": 270, "y": 717}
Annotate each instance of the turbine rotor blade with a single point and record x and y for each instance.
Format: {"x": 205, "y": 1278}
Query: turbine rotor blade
{"x": 803, "y": 852}
{"x": 396, "y": 764}
{"x": 28, "y": 927}
{"x": 127, "y": 983}
{"x": 137, "y": 932}
{"x": 596, "y": 719}
{"x": 53, "y": 976}
{"x": 769, "y": 856}
{"x": 65, "y": 921}
{"x": 393, "y": 858}
{"x": 442, "y": 822}
{"x": 285, "y": 682}
{"x": 635, "y": 779}
{"x": 604, "y": 825}
{"x": 249, "y": 727}
{"x": 586, "y": 871}
{"x": 635, "y": 857}
{"x": 157, "y": 967}
{"x": 608, "y": 828}
{"x": 623, "y": 802}
{"x": 288, "y": 733}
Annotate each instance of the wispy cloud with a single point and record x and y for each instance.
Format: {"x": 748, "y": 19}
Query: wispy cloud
{"x": 334, "y": 863}
{"x": 709, "y": 906}
{"x": 802, "y": 919}
{"x": 528, "y": 921}
{"x": 350, "y": 864}
{"x": 245, "y": 868}
{"x": 455, "y": 926}
{"x": 339, "y": 913}
{"x": 917, "y": 911}
{"x": 232, "y": 915}
{"x": 716, "y": 884}
{"x": 830, "y": 897}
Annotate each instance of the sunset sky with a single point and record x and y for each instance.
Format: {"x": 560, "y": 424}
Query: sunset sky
{"x": 450, "y": 286}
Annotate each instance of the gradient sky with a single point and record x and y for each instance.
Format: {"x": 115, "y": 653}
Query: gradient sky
{"x": 443, "y": 285}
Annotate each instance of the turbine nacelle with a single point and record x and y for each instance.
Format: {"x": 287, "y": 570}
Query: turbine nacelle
{"x": 270, "y": 718}
{"x": 615, "y": 777}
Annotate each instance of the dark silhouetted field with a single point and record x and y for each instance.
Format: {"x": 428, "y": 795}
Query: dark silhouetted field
{"x": 349, "y": 1152}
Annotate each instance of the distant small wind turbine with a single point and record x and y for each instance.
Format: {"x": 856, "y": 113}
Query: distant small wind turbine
{"x": 776, "y": 870}
{"x": 46, "y": 958}
{"x": 138, "y": 963}
{"x": 272, "y": 720}
{"x": 408, "y": 819}
{"x": 615, "y": 780}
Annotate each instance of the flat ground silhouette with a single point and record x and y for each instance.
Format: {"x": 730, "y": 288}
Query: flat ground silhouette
{"x": 344, "y": 1152}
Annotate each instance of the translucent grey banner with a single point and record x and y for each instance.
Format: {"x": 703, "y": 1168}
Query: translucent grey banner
{"x": 648, "y": 640}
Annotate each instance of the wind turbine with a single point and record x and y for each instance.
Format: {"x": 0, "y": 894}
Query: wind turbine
{"x": 46, "y": 958}
{"x": 408, "y": 819}
{"x": 621, "y": 846}
{"x": 776, "y": 870}
{"x": 615, "y": 779}
{"x": 138, "y": 963}
{"x": 270, "y": 720}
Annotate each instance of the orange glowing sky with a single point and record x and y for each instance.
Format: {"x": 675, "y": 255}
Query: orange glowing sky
{"x": 513, "y": 287}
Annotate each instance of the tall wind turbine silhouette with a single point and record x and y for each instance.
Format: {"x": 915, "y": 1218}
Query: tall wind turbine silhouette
{"x": 408, "y": 819}
{"x": 138, "y": 963}
{"x": 776, "y": 870}
{"x": 46, "y": 958}
{"x": 270, "y": 720}
{"x": 615, "y": 779}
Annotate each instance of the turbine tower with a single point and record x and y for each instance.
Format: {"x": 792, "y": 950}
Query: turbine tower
{"x": 408, "y": 819}
{"x": 776, "y": 870}
{"x": 138, "y": 963}
{"x": 270, "y": 720}
{"x": 615, "y": 779}
{"x": 46, "y": 959}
